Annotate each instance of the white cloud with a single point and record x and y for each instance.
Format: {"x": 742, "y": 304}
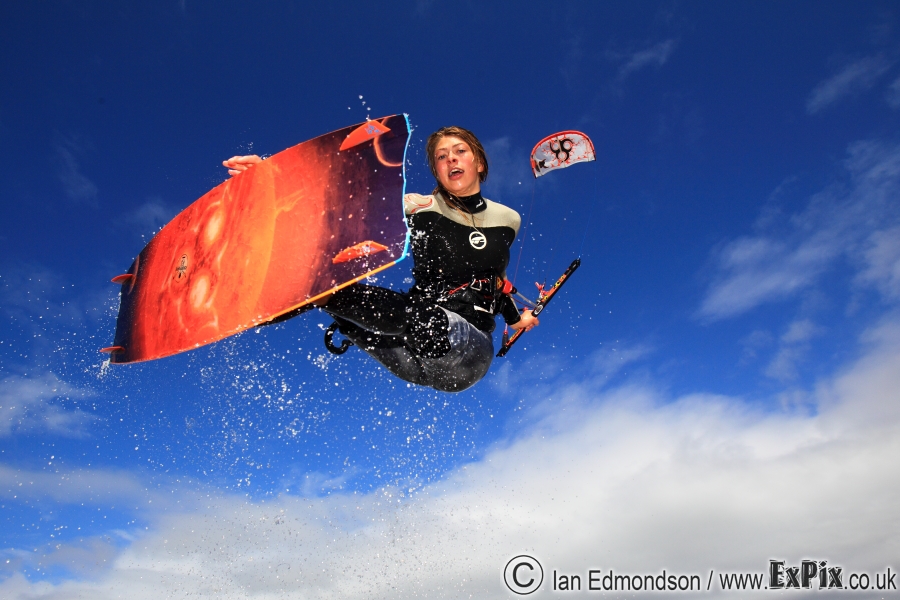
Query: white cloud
{"x": 30, "y": 404}
{"x": 103, "y": 491}
{"x": 784, "y": 259}
{"x": 628, "y": 479}
{"x": 656, "y": 55}
{"x": 854, "y": 78}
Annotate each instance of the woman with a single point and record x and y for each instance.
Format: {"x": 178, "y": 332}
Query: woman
{"x": 438, "y": 334}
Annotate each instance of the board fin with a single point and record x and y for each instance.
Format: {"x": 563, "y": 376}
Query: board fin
{"x": 365, "y": 132}
{"x": 358, "y": 251}
{"x": 113, "y": 349}
{"x": 126, "y": 278}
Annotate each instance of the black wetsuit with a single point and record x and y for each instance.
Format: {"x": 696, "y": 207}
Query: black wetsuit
{"x": 439, "y": 333}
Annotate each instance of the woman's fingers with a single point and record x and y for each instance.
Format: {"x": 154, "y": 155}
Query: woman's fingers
{"x": 527, "y": 322}
{"x": 239, "y": 164}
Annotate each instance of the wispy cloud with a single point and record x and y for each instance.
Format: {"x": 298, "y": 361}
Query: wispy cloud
{"x": 67, "y": 153}
{"x": 628, "y": 479}
{"x": 82, "y": 486}
{"x": 110, "y": 492}
{"x": 753, "y": 343}
{"x": 32, "y": 405}
{"x": 882, "y": 262}
{"x": 784, "y": 258}
{"x": 52, "y": 308}
{"x": 794, "y": 345}
{"x": 570, "y": 66}
{"x": 654, "y": 56}
{"x": 423, "y": 6}
{"x": 149, "y": 217}
{"x": 607, "y": 362}
{"x": 855, "y": 78}
{"x": 893, "y": 94}
{"x": 508, "y": 170}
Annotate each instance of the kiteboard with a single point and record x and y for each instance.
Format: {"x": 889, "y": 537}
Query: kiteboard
{"x": 267, "y": 242}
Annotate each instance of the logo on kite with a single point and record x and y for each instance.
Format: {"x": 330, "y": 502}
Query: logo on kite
{"x": 561, "y": 150}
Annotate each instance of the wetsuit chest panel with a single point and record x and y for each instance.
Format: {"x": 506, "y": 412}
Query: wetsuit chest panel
{"x": 446, "y": 251}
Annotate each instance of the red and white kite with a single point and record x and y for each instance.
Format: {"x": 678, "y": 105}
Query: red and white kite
{"x": 561, "y": 150}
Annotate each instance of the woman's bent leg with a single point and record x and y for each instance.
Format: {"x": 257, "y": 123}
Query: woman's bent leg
{"x": 420, "y": 343}
{"x": 470, "y": 356}
{"x": 390, "y": 351}
{"x": 467, "y": 362}
{"x": 384, "y": 312}
{"x": 373, "y": 308}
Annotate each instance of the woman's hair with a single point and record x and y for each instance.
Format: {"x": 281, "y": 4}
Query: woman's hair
{"x": 466, "y": 136}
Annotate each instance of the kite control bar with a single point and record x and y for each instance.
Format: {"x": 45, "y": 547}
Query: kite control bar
{"x": 542, "y": 301}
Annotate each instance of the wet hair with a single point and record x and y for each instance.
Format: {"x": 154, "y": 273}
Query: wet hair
{"x": 465, "y": 135}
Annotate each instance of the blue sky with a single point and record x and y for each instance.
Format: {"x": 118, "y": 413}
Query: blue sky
{"x": 716, "y": 386}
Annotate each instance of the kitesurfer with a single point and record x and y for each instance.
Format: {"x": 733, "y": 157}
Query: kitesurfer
{"x": 438, "y": 334}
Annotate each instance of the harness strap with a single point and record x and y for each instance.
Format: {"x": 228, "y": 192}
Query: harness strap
{"x": 475, "y": 284}
{"x": 491, "y": 288}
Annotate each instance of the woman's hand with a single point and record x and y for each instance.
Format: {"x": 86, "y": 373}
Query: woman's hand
{"x": 527, "y": 322}
{"x": 239, "y": 164}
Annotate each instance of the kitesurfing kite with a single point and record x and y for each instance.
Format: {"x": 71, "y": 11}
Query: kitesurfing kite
{"x": 561, "y": 150}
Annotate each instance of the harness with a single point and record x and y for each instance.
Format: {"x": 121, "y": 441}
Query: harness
{"x": 481, "y": 293}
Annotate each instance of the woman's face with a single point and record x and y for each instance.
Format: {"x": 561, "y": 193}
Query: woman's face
{"x": 456, "y": 166}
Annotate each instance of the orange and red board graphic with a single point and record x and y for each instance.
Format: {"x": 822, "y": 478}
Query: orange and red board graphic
{"x": 305, "y": 222}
